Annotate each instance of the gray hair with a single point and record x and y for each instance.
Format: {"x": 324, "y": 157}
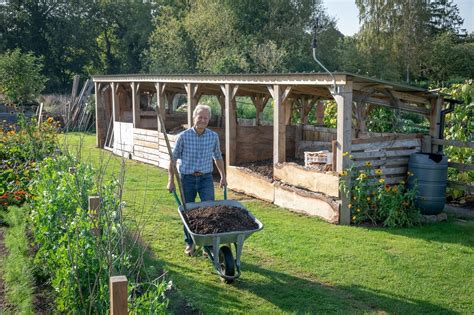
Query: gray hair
{"x": 202, "y": 107}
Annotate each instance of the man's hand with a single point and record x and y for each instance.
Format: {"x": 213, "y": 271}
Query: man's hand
{"x": 171, "y": 187}
{"x": 223, "y": 182}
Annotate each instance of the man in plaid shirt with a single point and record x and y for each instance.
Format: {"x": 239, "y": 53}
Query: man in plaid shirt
{"x": 195, "y": 150}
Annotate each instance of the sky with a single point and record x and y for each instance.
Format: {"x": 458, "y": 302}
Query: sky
{"x": 347, "y": 14}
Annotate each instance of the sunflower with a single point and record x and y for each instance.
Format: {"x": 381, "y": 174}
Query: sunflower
{"x": 382, "y": 180}
{"x": 369, "y": 164}
{"x": 378, "y": 171}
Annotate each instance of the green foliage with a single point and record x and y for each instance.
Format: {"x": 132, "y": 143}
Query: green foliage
{"x": 20, "y": 150}
{"x": 79, "y": 253}
{"x": 21, "y": 80}
{"x": 17, "y": 266}
{"x": 376, "y": 202}
{"x": 460, "y": 126}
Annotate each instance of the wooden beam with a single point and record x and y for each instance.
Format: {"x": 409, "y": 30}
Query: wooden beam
{"x": 230, "y": 125}
{"x": 360, "y": 97}
{"x": 279, "y": 128}
{"x": 115, "y": 105}
{"x": 193, "y": 99}
{"x": 454, "y": 143}
{"x": 135, "y": 105}
{"x": 100, "y": 121}
{"x": 436, "y": 105}
{"x": 160, "y": 105}
{"x": 169, "y": 99}
{"x": 344, "y": 139}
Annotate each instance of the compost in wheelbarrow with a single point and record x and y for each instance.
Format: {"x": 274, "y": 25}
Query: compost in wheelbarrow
{"x": 221, "y": 256}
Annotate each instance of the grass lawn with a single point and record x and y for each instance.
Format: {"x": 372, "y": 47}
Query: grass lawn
{"x": 300, "y": 264}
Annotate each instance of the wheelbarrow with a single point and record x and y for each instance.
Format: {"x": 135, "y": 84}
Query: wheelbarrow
{"x": 218, "y": 246}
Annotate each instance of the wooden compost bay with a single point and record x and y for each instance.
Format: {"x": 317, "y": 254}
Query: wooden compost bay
{"x": 127, "y": 125}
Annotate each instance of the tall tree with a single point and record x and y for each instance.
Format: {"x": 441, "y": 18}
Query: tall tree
{"x": 445, "y": 17}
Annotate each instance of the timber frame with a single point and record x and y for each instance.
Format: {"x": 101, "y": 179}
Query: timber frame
{"x": 126, "y": 124}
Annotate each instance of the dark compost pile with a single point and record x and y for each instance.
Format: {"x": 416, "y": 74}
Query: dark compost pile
{"x": 219, "y": 219}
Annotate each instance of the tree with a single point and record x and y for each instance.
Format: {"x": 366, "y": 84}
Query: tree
{"x": 445, "y": 17}
{"x": 20, "y": 77}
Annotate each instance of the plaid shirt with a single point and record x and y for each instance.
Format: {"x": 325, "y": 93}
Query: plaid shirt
{"x": 196, "y": 152}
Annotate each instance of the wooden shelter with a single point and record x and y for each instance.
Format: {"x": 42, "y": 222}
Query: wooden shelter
{"x": 126, "y": 123}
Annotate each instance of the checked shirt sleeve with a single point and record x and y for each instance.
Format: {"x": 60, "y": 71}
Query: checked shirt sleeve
{"x": 178, "y": 148}
{"x": 217, "y": 155}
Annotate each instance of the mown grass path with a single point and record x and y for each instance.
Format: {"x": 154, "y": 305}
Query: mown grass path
{"x": 300, "y": 264}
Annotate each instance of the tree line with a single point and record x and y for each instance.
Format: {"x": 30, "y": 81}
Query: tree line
{"x": 416, "y": 41}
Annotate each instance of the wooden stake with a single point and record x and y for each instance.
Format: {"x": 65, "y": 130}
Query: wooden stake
{"x": 118, "y": 295}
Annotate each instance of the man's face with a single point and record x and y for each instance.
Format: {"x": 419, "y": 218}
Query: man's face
{"x": 201, "y": 119}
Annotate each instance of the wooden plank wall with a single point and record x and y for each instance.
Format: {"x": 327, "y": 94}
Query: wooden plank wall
{"x": 150, "y": 147}
{"x": 254, "y": 143}
{"x": 316, "y": 133}
{"x": 389, "y": 153}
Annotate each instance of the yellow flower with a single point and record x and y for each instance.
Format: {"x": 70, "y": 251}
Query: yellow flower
{"x": 381, "y": 181}
{"x": 354, "y": 198}
{"x": 358, "y": 210}
{"x": 368, "y": 164}
{"x": 353, "y": 218}
{"x": 345, "y": 154}
{"x": 378, "y": 171}
{"x": 410, "y": 174}
{"x": 50, "y": 120}
{"x": 395, "y": 188}
{"x": 402, "y": 182}
{"x": 362, "y": 175}
{"x": 350, "y": 157}
{"x": 349, "y": 206}
{"x": 343, "y": 173}
{"x": 368, "y": 198}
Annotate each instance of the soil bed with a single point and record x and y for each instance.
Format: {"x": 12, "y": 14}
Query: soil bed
{"x": 219, "y": 219}
{"x": 265, "y": 167}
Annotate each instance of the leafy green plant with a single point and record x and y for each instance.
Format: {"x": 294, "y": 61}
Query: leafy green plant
{"x": 460, "y": 126}
{"x": 21, "y": 147}
{"x": 21, "y": 80}
{"x": 374, "y": 201}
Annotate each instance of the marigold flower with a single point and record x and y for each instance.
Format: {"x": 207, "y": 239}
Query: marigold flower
{"x": 50, "y": 120}
{"x": 387, "y": 188}
{"x": 382, "y": 180}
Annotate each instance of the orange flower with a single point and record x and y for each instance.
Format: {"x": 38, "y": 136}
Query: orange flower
{"x": 387, "y": 188}
{"x": 395, "y": 188}
{"x": 50, "y": 120}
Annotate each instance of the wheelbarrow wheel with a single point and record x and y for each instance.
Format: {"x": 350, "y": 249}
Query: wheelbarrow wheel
{"x": 226, "y": 262}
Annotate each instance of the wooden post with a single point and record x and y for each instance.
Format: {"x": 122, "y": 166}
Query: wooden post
{"x": 193, "y": 99}
{"x": 160, "y": 104}
{"x": 118, "y": 287}
{"x": 40, "y": 114}
{"x": 230, "y": 92}
{"x": 221, "y": 100}
{"x": 426, "y": 144}
{"x": 94, "y": 203}
{"x": 135, "y": 105}
{"x": 320, "y": 113}
{"x": 334, "y": 155}
{"x": 279, "y": 96}
{"x": 436, "y": 105}
{"x": 100, "y": 121}
{"x": 344, "y": 140}
{"x": 115, "y": 107}
{"x": 259, "y": 101}
{"x": 169, "y": 99}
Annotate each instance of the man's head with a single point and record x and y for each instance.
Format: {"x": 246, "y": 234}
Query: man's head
{"x": 201, "y": 117}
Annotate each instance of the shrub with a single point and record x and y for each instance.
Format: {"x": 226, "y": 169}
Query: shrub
{"x": 372, "y": 200}
{"x": 21, "y": 80}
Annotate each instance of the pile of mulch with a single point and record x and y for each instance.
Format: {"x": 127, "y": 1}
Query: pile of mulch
{"x": 264, "y": 168}
{"x": 219, "y": 219}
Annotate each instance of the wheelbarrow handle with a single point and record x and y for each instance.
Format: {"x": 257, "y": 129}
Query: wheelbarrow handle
{"x": 176, "y": 197}
{"x": 225, "y": 192}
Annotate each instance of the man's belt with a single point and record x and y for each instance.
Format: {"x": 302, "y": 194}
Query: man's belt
{"x": 197, "y": 174}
